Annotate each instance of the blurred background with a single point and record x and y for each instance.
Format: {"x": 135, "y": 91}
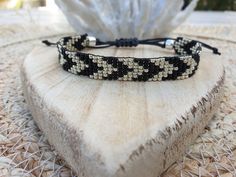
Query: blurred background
{"x": 213, "y": 5}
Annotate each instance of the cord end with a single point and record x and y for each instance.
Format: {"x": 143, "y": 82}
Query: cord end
{"x": 47, "y": 43}
{"x": 215, "y": 51}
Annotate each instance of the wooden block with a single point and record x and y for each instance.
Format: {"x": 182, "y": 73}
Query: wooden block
{"x": 118, "y": 128}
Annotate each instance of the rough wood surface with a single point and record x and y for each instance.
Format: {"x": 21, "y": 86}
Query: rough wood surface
{"x": 112, "y": 128}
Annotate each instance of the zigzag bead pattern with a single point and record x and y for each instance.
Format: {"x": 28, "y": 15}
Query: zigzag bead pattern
{"x": 178, "y": 67}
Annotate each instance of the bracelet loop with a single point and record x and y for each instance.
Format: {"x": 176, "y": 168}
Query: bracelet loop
{"x": 181, "y": 66}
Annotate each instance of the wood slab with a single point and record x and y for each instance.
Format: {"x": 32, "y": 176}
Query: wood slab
{"x": 117, "y": 128}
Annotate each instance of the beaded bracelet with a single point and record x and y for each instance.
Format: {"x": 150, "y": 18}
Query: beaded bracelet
{"x": 181, "y": 66}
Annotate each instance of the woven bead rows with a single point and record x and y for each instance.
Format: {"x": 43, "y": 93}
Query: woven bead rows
{"x": 127, "y": 68}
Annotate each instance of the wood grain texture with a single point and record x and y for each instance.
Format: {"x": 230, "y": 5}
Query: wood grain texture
{"x": 120, "y": 129}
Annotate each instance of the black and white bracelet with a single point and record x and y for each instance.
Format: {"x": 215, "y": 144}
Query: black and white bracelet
{"x": 181, "y": 66}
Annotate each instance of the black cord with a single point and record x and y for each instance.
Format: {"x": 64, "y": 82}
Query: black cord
{"x": 48, "y": 43}
{"x": 133, "y": 42}
{"x": 214, "y": 49}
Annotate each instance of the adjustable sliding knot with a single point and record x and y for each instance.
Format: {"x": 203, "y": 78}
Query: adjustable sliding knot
{"x": 132, "y": 42}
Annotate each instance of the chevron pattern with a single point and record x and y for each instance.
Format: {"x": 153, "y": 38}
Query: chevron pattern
{"x": 177, "y": 67}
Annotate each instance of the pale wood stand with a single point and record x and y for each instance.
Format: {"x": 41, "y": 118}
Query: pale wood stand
{"x": 115, "y": 128}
